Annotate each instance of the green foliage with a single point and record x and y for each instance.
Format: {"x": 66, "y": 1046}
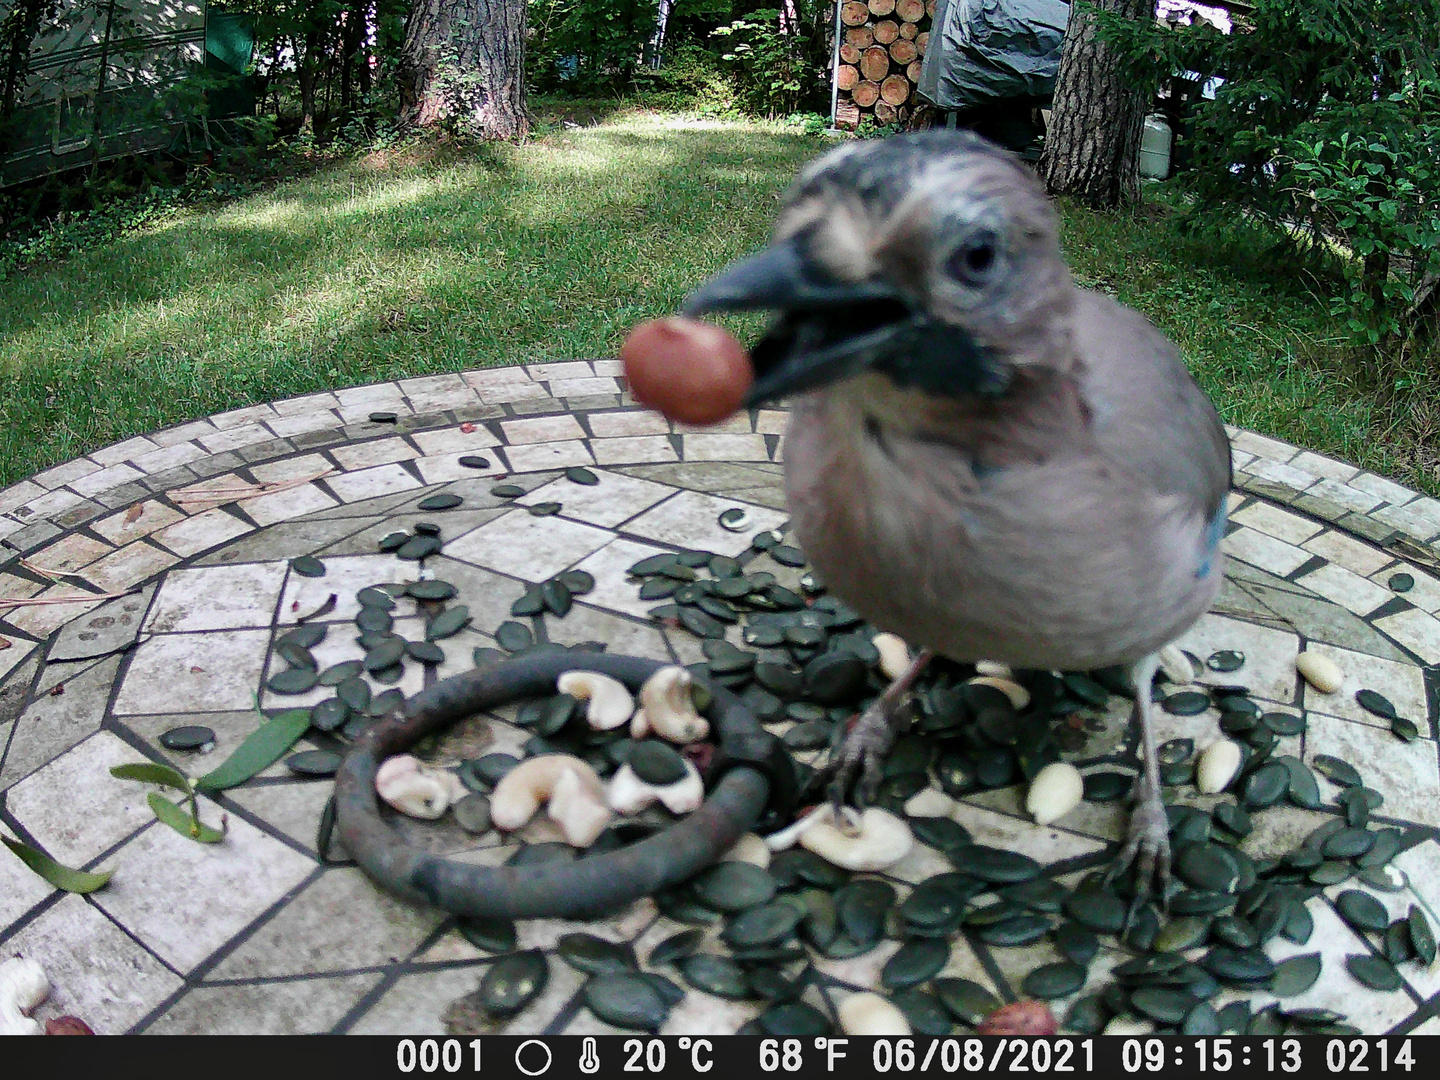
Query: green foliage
{"x": 587, "y": 45}
{"x": 779, "y": 61}
{"x": 1327, "y": 129}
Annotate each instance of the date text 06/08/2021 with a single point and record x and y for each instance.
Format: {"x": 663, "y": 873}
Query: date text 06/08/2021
{"x": 801, "y": 1058}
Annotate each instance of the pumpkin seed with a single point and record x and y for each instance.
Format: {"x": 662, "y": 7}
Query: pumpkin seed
{"x": 1226, "y": 660}
{"x": 507, "y": 491}
{"x": 1087, "y": 1015}
{"x": 627, "y": 1001}
{"x": 1396, "y": 942}
{"x": 1341, "y": 772}
{"x": 385, "y": 703}
{"x": 418, "y": 547}
{"x": 1015, "y": 931}
{"x": 594, "y": 955}
{"x": 431, "y": 590}
{"x": 1051, "y": 981}
{"x": 736, "y": 519}
{"x": 718, "y": 975}
{"x": 676, "y": 947}
{"x": 1401, "y": 583}
{"x": 384, "y": 418}
{"x": 1422, "y": 938}
{"x": 1180, "y": 934}
{"x": 794, "y": 1019}
{"x": 1200, "y": 1020}
{"x": 293, "y": 681}
{"x": 1362, "y": 911}
{"x": 733, "y": 886}
{"x": 1238, "y": 966}
{"x": 1096, "y": 908}
{"x": 424, "y": 651}
{"x": 1375, "y": 703}
{"x": 1283, "y": 723}
{"x": 190, "y": 737}
{"x": 995, "y": 864}
{"x": 472, "y": 813}
{"x": 308, "y": 566}
{"x": 1299, "y": 923}
{"x": 1404, "y": 730}
{"x": 448, "y": 623}
{"x": 1295, "y": 975}
{"x": 393, "y": 541}
{"x": 787, "y": 556}
{"x": 443, "y": 501}
{"x": 487, "y": 934}
{"x": 543, "y": 509}
{"x": 916, "y": 961}
{"x": 385, "y": 655}
{"x": 354, "y": 693}
{"x": 861, "y": 907}
{"x": 656, "y": 763}
{"x": 1348, "y": 844}
{"x": 1162, "y": 1004}
{"x": 329, "y": 715}
{"x": 473, "y": 461}
{"x": 1208, "y": 866}
{"x": 578, "y": 474}
{"x": 1186, "y": 703}
{"x": 1265, "y": 786}
{"x": 1076, "y": 943}
{"x": 764, "y": 924}
{"x": 967, "y": 1001}
{"x": 512, "y": 983}
{"x": 1302, "y": 788}
{"x": 513, "y": 636}
{"x": 1373, "y": 971}
{"x": 1103, "y": 787}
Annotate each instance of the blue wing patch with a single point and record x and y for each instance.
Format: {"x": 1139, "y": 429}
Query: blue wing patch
{"x": 1214, "y": 533}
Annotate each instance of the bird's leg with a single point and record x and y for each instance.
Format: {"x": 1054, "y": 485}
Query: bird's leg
{"x": 870, "y": 737}
{"x": 1147, "y": 846}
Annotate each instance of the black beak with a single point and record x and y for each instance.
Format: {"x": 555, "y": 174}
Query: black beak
{"x": 827, "y": 329}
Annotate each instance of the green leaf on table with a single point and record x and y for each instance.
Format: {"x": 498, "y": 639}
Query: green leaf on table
{"x": 270, "y": 742}
{"x": 151, "y": 772}
{"x": 179, "y": 820}
{"x": 62, "y": 877}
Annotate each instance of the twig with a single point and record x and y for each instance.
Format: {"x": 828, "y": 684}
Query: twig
{"x": 249, "y": 491}
{"x": 10, "y": 603}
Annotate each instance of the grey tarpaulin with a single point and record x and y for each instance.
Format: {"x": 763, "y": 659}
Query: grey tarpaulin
{"x": 986, "y": 50}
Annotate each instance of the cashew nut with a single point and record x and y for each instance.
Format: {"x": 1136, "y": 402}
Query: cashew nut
{"x": 1176, "y": 664}
{"x": 417, "y": 789}
{"x": 993, "y": 667}
{"x": 629, "y": 794}
{"x": 23, "y": 986}
{"x": 608, "y": 703}
{"x": 570, "y": 788}
{"x": 874, "y": 840}
{"x": 667, "y": 709}
{"x": 786, "y": 838}
{"x": 749, "y": 848}
{"x": 1018, "y": 695}
{"x": 894, "y": 654}
{"x": 871, "y": 1014}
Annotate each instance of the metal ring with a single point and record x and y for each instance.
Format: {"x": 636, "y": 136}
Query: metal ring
{"x": 578, "y": 889}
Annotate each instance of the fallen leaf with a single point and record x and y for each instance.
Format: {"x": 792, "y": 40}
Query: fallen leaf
{"x": 5, "y": 643}
{"x": 67, "y": 1025}
{"x": 62, "y": 877}
{"x": 270, "y": 742}
{"x": 134, "y": 513}
{"x": 152, "y": 772}
{"x": 177, "y": 818}
{"x": 57, "y": 689}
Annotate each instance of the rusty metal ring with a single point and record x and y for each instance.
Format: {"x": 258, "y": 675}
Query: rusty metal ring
{"x": 582, "y": 888}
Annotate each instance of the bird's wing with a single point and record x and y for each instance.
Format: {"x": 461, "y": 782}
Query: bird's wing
{"x": 1147, "y": 412}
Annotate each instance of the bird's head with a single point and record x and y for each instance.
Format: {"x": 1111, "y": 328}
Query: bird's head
{"x": 930, "y": 258}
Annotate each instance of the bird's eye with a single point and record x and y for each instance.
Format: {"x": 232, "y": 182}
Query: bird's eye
{"x": 973, "y": 261}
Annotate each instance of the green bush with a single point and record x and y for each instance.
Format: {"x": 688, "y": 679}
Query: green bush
{"x": 1327, "y": 130}
{"x": 780, "y": 69}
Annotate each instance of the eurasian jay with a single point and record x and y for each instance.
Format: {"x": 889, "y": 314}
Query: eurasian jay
{"x": 981, "y": 456}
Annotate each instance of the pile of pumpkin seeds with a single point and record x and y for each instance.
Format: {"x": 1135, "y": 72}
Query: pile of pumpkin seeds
{"x": 805, "y": 664}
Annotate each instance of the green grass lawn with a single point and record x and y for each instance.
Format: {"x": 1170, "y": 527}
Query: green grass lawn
{"x": 404, "y": 263}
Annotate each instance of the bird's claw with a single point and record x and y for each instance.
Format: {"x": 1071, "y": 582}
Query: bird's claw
{"x": 1147, "y": 848}
{"x": 862, "y": 750}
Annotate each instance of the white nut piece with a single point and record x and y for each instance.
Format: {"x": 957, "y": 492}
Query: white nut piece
{"x": 1176, "y": 665}
{"x": 1018, "y": 695}
{"x": 751, "y": 849}
{"x": 871, "y": 1014}
{"x": 667, "y": 708}
{"x": 570, "y": 789}
{"x": 1056, "y": 790}
{"x": 416, "y": 789}
{"x": 993, "y": 667}
{"x": 870, "y": 841}
{"x": 931, "y": 802}
{"x": 894, "y": 654}
{"x": 23, "y": 986}
{"x": 628, "y": 794}
{"x": 786, "y": 838}
{"x": 1320, "y": 672}
{"x": 1217, "y": 766}
{"x": 608, "y": 703}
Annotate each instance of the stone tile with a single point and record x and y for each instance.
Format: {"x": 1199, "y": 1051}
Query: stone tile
{"x": 49, "y": 505}
{"x": 735, "y": 424}
{"x": 288, "y": 540}
{"x": 490, "y": 378}
{"x": 626, "y": 451}
{"x": 534, "y": 457}
{"x": 53, "y": 723}
{"x": 307, "y": 403}
{"x": 612, "y": 589}
{"x": 132, "y": 564}
{"x": 570, "y": 388}
{"x": 1371, "y": 1011}
{"x": 303, "y": 467}
{"x": 20, "y": 887}
{"x": 169, "y": 457}
{"x": 1351, "y": 498}
{"x": 1266, "y": 552}
{"x": 105, "y": 479}
{"x": 374, "y": 452}
{"x": 303, "y": 1007}
{"x": 340, "y": 645}
{"x": 1417, "y": 630}
{"x": 345, "y": 575}
{"x": 339, "y": 922}
{"x": 451, "y": 440}
{"x": 771, "y": 422}
{"x": 691, "y": 519}
{"x": 540, "y": 429}
{"x": 217, "y": 598}
{"x": 622, "y": 636}
{"x": 1388, "y": 490}
{"x": 182, "y": 433}
{"x": 515, "y": 393}
{"x": 1270, "y": 654}
{"x": 1424, "y": 594}
{"x": 1346, "y": 588}
{"x": 67, "y": 473}
{"x": 1402, "y": 683}
{"x": 443, "y": 468}
{"x": 1405, "y": 773}
{"x": 373, "y": 529}
{"x": 211, "y": 672}
{"x": 1262, "y": 446}
{"x": 230, "y": 728}
{"x": 527, "y": 547}
{"x": 43, "y": 620}
{"x": 139, "y": 520}
{"x": 1346, "y": 551}
{"x": 250, "y": 414}
{"x": 19, "y": 494}
{"x": 712, "y": 447}
{"x": 487, "y": 595}
{"x": 202, "y": 532}
{"x": 1016, "y": 834}
{"x": 1286, "y": 476}
{"x": 564, "y": 369}
{"x": 615, "y": 499}
{"x": 72, "y": 553}
{"x": 166, "y": 892}
{"x": 284, "y": 505}
{"x": 368, "y": 483}
{"x": 1273, "y": 521}
{"x": 96, "y": 970}
{"x": 1420, "y": 518}
{"x": 1319, "y": 465}
{"x": 233, "y": 438}
{"x": 416, "y": 1004}
{"x": 74, "y": 808}
{"x": 630, "y": 422}
{"x": 303, "y": 423}
{"x": 294, "y": 808}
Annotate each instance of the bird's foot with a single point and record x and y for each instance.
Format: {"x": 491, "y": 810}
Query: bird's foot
{"x": 862, "y": 750}
{"x": 1147, "y": 848}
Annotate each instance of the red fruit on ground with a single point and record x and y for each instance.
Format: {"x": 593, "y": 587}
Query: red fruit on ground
{"x": 690, "y": 371}
{"x": 1019, "y": 1018}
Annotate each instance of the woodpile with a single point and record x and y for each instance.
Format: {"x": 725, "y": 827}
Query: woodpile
{"x": 881, "y": 49}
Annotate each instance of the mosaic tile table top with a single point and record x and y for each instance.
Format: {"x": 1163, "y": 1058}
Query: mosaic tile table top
{"x": 174, "y": 553}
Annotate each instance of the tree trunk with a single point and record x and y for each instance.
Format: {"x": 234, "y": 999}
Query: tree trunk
{"x": 1092, "y": 148}
{"x": 306, "y": 72}
{"x": 463, "y": 63}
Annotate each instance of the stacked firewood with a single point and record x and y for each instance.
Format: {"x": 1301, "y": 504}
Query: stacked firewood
{"x": 881, "y": 48}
